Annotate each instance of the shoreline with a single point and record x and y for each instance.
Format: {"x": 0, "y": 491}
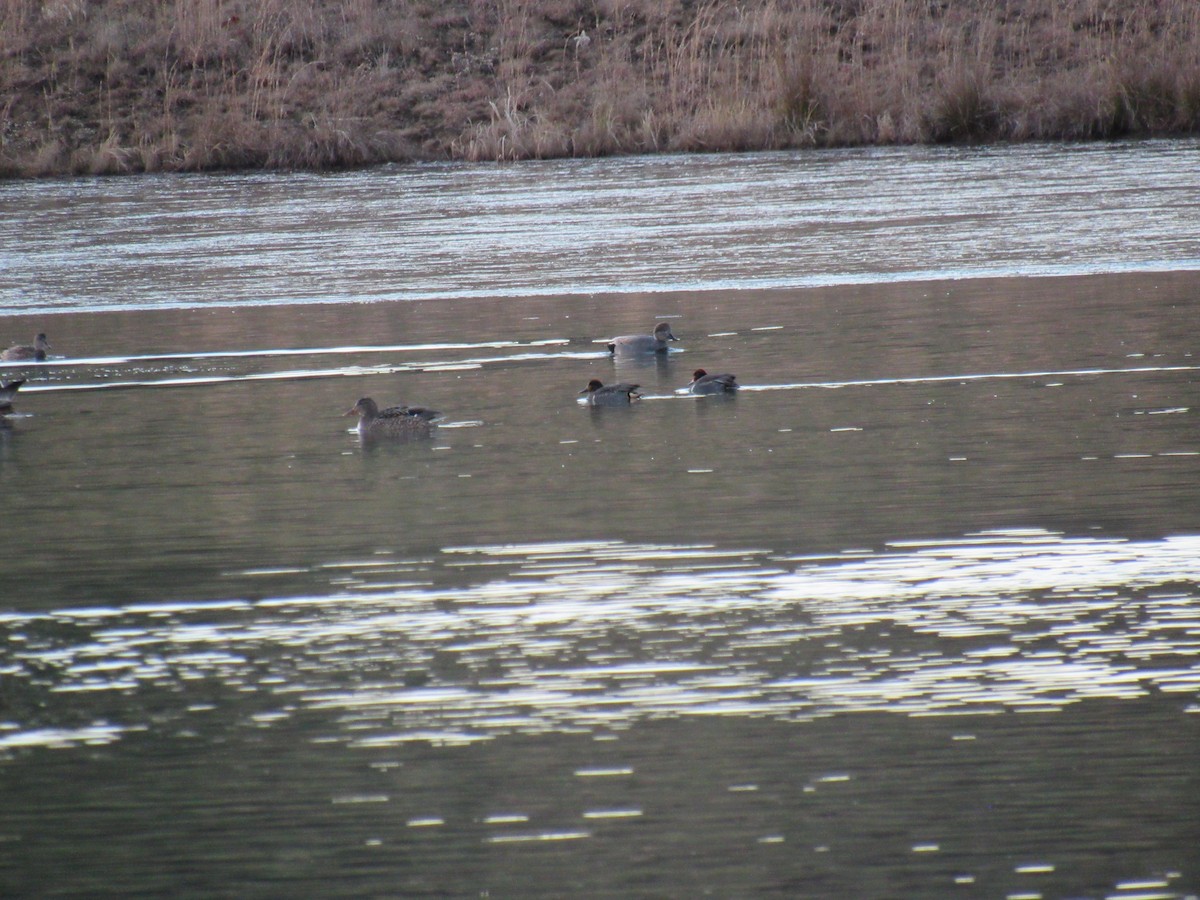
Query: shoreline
{"x": 136, "y": 87}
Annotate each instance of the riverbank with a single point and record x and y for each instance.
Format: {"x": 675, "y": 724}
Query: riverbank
{"x": 136, "y": 86}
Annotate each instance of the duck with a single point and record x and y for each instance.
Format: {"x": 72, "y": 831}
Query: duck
{"x": 394, "y": 422}
{"x": 703, "y": 383}
{"x": 8, "y": 390}
{"x": 36, "y": 351}
{"x": 600, "y": 394}
{"x": 643, "y": 343}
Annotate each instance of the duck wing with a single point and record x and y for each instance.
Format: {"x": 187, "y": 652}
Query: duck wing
{"x": 8, "y": 390}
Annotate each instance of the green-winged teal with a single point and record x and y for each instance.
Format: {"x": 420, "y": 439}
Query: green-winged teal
{"x": 703, "y": 383}
{"x": 36, "y": 351}
{"x": 599, "y": 394}
{"x": 643, "y": 343}
{"x": 400, "y": 422}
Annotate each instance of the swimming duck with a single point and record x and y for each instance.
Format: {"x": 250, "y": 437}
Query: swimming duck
{"x": 394, "y": 422}
{"x": 8, "y": 390}
{"x": 35, "y": 352}
{"x": 703, "y": 383}
{"x": 643, "y": 343}
{"x": 599, "y": 394}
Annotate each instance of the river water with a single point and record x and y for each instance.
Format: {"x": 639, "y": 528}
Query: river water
{"x": 915, "y": 614}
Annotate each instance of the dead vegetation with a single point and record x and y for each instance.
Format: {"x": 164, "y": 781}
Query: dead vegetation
{"x": 130, "y": 85}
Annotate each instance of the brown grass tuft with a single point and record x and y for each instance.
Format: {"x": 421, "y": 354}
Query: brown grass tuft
{"x": 132, "y": 86}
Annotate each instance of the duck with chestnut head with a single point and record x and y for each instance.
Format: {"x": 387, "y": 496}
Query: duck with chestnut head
{"x": 600, "y": 394}
{"x": 703, "y": 383}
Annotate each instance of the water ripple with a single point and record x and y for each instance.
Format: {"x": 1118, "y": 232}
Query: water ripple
{"x": 629, "y": 225}
{"x": 564, "y": 636}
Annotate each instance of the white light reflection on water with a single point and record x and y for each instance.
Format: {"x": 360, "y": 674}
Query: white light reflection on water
{"x": 86, "y": 375}
{"x": 571, "y": 636}
{"x": 627, "y": 225}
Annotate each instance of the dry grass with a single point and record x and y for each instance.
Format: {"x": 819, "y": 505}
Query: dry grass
{"x": 130, "y": 85}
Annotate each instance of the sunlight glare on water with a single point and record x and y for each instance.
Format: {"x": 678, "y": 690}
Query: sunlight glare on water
{"x": 638, "y": 224}
{"x": 598, "y": 636}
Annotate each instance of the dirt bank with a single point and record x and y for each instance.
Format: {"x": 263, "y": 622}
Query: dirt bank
{"x": 136, "y": 85}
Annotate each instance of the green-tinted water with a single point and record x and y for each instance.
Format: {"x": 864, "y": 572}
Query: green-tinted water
{"x": 914, "y": 614}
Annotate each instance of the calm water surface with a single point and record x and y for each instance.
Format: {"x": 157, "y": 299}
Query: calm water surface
{"x": 916, "y": 614}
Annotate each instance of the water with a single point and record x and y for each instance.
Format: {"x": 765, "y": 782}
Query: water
{"x": 600, "y": 226}
{"x": 915, "y": 614}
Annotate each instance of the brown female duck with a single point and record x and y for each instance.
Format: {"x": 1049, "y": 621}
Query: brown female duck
{"x": 396, "y": 422}
{"x": 35, "y": 351}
